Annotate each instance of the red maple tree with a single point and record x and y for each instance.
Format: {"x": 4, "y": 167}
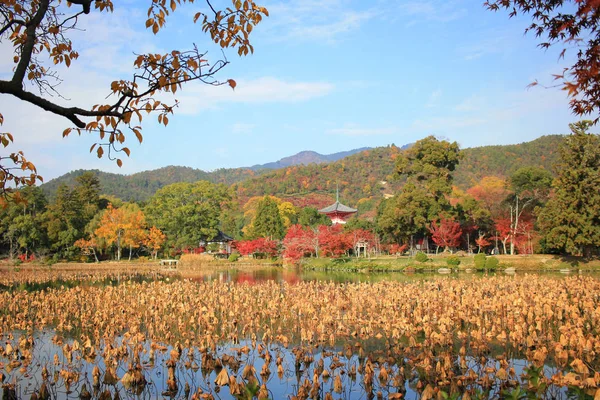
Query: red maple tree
{"x": 446, "y": 234}
{"x": 333, "y": 241}
{"x": 298, "y": 242}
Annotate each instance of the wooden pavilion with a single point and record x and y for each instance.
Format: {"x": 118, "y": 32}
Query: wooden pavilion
{"x": 219, "y": 245}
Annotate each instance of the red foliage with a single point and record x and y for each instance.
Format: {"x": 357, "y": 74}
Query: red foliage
{"x": 361, "y": 235}
{"x": 502, "y": 227}
{"x": 482, "y": 242}
{"x": 298, "y": 242}
{"x": 24, "y": 258}
{"x": 396, "y": 248}
{"x": 264, "y": 246}
{"x": 333, "y": 241}
{"x": 447, "y": 234}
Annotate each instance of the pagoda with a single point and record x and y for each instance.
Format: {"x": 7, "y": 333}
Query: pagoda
{"x": 338, "y": 212}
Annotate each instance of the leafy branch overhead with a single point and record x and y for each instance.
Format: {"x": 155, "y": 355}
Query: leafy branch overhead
{"x": 39, "y": 31}
{"x": 571, "y": 24}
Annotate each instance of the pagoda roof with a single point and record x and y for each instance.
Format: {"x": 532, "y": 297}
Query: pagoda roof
{"x": 338, "y": 207}
{"x": 221, "y": 237}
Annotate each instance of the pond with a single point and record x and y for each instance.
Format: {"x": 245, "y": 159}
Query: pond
{"x": 255, "y": 275}
{"x": 286, "y": 334}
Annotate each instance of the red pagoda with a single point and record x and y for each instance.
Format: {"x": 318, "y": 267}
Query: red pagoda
{"x": 337, "y": 212}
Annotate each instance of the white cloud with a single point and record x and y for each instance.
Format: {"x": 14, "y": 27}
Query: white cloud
{"x": 428, "y": 11}
{"x": 310, "y": 20}
{"x": 256, "y": 91}
{"x": 355, "y": 130}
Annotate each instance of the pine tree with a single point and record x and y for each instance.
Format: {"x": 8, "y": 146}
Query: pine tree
{"x": 571, "y": 219}
{"x": 268, "y": 222}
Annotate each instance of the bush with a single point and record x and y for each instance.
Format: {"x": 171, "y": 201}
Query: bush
{"x": 480, "y": 261}
{"x": 453, "y": 261}
{"x": 421, "y": 257}
{"x": 491, "y": 263}
{"x": 233, "y": 257}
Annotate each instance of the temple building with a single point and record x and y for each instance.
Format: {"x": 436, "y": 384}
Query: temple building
{"x": 337, "y": 212}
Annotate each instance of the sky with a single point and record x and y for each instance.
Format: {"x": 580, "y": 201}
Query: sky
{"x": 328, "y": 76}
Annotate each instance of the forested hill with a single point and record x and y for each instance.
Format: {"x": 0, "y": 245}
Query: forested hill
{"x": 369, "y": 175}
{"x": 364, "y": 177}
{"x": 502, "y": 161}
{"x": 140, "y": 186}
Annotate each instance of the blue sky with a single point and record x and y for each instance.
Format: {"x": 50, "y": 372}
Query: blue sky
{"x": 328, "y": 76}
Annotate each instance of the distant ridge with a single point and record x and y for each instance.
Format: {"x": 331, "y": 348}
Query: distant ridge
{"x": 365, "y": 175}
{"x": 307, "y": 157}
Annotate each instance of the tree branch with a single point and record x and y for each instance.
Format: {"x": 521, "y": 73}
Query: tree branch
{"x": 7, "y": 26}
{"x": 70, "y": 113}
{"x": 85, "y": 3}
{"x": 27, "y": 48}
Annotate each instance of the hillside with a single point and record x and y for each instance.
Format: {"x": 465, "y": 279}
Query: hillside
{"x": 502, "y": 161}
{"x": 369, "y": 176}
{"x": 364, "y": 177}
{"x": 140, "y": 186}
{"x": 361, "y": 175}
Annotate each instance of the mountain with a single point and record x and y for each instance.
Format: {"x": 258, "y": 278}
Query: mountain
{"x": 142, "y": 185}
{"x": 369, "y": 176}
{"x": 306, "y": 158}
{"x": 364, "y": 177}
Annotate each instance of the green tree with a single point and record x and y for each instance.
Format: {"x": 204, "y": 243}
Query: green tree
{"x": 429, "y": 163}
{"x": 64, "y": 221}
{"x": 21, "y": 224}
{"x": 310, "y": 216}
{"x": 187, "y": 213}
{"x": 570, "y": 221}
{"x": 427, "y": 167}
{"x": 405, "y": 215}
{"x": 531, "y": 186}
{"x": 72, "y": 210}
{"x": 268, "y": 221}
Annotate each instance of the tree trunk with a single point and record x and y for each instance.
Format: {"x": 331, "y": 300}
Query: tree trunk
{"x": 130, "y": 250}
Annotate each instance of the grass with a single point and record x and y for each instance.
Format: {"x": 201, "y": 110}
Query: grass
{"x": 537, "y": 262}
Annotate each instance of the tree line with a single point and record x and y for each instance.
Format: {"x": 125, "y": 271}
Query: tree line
{"x": 532, "y": 211}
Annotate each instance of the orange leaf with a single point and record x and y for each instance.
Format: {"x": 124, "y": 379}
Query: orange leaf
{"x": 232, "y": 83}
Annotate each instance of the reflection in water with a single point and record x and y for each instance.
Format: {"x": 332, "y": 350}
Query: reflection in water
{"x": 251, "y": 276}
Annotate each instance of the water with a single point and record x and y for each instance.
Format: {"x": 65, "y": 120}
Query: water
{"x": 257, "y": 275}
{"x": 354, "y": 367}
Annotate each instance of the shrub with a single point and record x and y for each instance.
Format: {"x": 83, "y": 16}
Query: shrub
{"x": 453, "y": 261}
{"x": 233, "y": 257}
{"x": 480, "y": 261}
{"x": 421, "y": 257}
{"x": 491, "y": 263}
